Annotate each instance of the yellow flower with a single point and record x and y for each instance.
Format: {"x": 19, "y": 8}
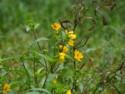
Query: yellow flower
{"x": 54, "y": 81}
{"x": 6, "y": 88}
{"x": 72, "y": 36}
{"x": 61, "y": 56}
{"x": 78, "y": 55}
{"x": 64, "y": 49}
{"x": 68, "y": 32}
{"x": 68, "y": 92}
{"x": 71, "y": 42}
{"x": 56, "y": 26}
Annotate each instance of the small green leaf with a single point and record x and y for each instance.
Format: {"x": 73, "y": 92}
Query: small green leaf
{"x": 32, "y": 93}
{"x": 40, "y": 39}
{"x": 28, "y": 28}
{"x": 70, "y": 57}
{"x": 10, "y": 58}
{"x": 61, "y": 67}
{"x": 81, "y": 87}
{"x": 46, "y": 57}
{"x": 41, "y": 89}
{"x": 36, "y": 26}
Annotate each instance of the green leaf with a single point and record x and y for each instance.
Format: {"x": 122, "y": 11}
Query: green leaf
{"x": 81, "y": 87}
{"x": 28, "y": 28}
{"x": 43, "y": 81}
{"x": 61, "y": 67}
{"x": 32, "y": 93}
{"x": 36, "y": 26}
{"x": 49, "y": 59}
{"x": 40, "y": 39}
{"x": 68, "y": 56}
{"x": 10, "y": 58}
{"x": 41, "y": 89}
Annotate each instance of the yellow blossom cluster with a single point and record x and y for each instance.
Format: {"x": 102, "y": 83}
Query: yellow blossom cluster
{"x": 77, "y": 54}
{"x": 71, "y": 37}
{"x": 63, "y": 49}
{"x": 62, "y": 55}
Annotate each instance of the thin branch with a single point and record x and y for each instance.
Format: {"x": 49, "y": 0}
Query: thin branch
{"x": 62, "y": 25}
{"x": 84, "y": 42}
{"x": 35, "y": 39}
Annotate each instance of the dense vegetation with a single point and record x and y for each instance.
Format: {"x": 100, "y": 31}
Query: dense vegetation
{"x": 62, "y": 47}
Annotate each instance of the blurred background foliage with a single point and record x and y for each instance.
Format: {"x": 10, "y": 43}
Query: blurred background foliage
{"x": 15, "y": 14}
{"x": 106, "y": 45}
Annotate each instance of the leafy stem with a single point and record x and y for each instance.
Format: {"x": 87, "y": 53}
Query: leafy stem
{"x": 35, "y": 39}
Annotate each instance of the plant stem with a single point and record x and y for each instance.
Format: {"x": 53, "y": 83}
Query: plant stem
{"x": 26, "y": 72}
{"x": 46, "y": 78}
{"x": 74, "y": 84}
{"x": 35, "y": 39}
{"x": 35, "y": 76}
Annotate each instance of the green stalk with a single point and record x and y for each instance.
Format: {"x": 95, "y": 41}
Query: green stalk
{"x": 28, "y": 76}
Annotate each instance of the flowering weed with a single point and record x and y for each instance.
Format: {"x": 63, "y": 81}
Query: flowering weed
{"x": 59, "y": 61}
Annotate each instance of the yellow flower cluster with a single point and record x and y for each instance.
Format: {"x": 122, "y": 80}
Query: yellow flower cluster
{"x": 6, "y": 88}
{"x": 71, "y": 37}
{"x": 78, "y": 55}
{"x": 62, "y": 55}
{"x": 56, "y": 26}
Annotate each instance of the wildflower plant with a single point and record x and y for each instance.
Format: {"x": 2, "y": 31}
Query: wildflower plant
{"x": 57, "y": 63}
